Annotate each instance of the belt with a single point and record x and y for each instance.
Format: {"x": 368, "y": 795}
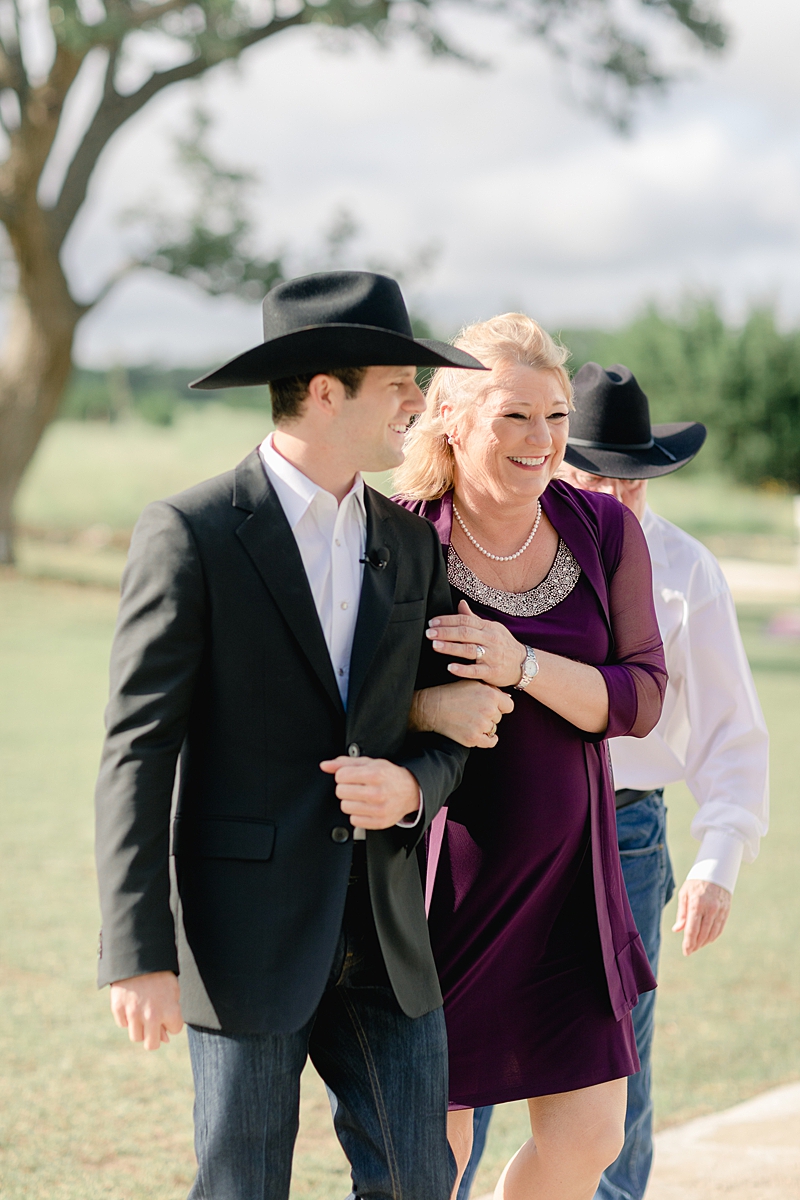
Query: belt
{"x": 625, "y": 796}
{"x": 358, "y": 866}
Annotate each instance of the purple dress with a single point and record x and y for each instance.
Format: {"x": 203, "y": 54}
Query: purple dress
{"x": 538, "y": 955}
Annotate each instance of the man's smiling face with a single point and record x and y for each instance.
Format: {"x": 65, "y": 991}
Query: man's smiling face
{"x": 375, "y": 420}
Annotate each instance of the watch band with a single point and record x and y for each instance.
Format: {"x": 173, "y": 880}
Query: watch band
{"x": 530, "y": 669}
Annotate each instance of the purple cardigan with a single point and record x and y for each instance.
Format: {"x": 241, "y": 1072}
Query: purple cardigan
{"x": 594, "y": 527}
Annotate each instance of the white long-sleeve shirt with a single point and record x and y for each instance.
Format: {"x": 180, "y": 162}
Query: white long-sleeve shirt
{"x": 712, "y": 732}
{"x": 331, "y": 538}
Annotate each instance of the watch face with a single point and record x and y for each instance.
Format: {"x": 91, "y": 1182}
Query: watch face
{"x": 530, "y": 668}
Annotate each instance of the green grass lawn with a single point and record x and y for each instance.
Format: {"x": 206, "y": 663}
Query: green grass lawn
{"x": 734, "y": 522}
{"x": 90, "y": 472}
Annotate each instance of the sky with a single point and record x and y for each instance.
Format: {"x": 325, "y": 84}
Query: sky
{"x": 526, "y": 197}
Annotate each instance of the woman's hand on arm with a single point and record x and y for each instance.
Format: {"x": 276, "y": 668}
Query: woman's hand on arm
{"x": 574, "y": 690}
{"x": 468, "y": 712}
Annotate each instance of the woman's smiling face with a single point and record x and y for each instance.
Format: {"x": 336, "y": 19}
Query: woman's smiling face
{"x": 511, "y": 442}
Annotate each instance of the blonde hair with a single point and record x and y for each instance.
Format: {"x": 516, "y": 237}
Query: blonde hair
{"x": 429, "y": 468}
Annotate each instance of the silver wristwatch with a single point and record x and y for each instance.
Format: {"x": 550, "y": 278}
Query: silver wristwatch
{"x": 530, "y": 668}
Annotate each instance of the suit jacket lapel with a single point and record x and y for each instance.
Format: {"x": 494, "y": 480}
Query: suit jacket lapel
{"x": 377, "y": 594}
{"x": 270, "y": 543}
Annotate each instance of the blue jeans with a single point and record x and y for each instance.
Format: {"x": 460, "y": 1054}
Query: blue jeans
{"x": 388, "y": 1071}
{"x": 647, "y": 870}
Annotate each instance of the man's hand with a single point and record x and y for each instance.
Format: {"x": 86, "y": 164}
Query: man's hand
{"x": 468, "y": 712}
{"x": 702, "y": 912}
{"x": 374, "y": 792}
{"x": 148, "y": 1006}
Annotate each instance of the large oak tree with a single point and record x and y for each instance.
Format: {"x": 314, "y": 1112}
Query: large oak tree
{"x": 603, "y": 37}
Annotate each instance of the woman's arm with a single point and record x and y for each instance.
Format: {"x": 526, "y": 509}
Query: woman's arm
{"x": 467, "y": 712}
{"x": 574, "y": 690}
{"x": 637, "y": 677}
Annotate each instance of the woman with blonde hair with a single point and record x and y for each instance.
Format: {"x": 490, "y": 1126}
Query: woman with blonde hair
{"x": 538, "y": 955}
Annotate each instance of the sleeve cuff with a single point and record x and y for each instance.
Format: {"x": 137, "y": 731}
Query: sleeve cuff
{"x": 718, "y": 859}
{"x": 622, "y": 703}
{"x": 412, "y": 822}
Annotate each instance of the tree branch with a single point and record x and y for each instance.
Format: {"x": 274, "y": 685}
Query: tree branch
{"x": 613, "y": 55}
{"x": 13, "y": 68}
{"x": 144, "y": 13}
{"x": 109, "y": 285}
{"x": 701, "y": 21}
{"x": 9, "y": 70}
{"x": 114, "y": 110}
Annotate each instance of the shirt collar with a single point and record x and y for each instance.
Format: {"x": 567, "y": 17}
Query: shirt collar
{"x": 654, "y": 537}
{"x": 295, "y": 490}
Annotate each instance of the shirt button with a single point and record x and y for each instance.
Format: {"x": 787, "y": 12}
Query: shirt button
{"x": 340, "y": 834}
{"x": 338, "y": 543}
{"x": 340, "y": 671}
{"x": 354, "y": 750}
{"x": 343, "y": 604}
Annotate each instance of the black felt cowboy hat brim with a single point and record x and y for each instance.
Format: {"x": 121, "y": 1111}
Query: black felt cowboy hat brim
{"x": 330, "y": 346}
{"x": 674, "y": 445}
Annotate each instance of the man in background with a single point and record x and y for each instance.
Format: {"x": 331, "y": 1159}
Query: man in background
{"x": 711, "y": 733}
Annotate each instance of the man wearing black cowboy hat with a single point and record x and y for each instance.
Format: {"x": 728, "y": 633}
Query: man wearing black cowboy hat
{"x": 711, "y": 732}
{"x": 270, "y": 639}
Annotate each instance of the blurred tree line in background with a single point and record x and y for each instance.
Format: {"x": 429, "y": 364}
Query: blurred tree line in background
{"x": 153, "y": 394}
{"x": 743, "y": 383}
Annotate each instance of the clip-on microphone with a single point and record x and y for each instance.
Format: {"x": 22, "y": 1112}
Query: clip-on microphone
{"x": 378, "y": 558}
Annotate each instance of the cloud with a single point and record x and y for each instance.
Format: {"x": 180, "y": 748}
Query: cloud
{"x": 532, "y": 200}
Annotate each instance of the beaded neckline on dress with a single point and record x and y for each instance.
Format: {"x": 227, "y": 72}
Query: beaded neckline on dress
{"x": 557, "y": 584}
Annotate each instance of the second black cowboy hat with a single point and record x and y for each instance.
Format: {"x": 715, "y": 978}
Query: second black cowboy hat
{"x": 610, "y": 432}
{"x": 334, "y": 319}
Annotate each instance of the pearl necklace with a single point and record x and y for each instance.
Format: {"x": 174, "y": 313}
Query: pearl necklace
{"x": 502, "y": 557}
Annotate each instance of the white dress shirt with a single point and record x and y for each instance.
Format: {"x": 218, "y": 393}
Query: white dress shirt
{"x": 712, "y": 732}
{"x": 331, "y": 538}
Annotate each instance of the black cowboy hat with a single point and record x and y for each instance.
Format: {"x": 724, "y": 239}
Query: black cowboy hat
{"x": 334, "y": 319}
{"x": 610, "y": 432}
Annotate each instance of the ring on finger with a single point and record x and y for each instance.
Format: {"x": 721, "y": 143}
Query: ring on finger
{"x": 491, "y": 732}
{"x": 479, "y": 653}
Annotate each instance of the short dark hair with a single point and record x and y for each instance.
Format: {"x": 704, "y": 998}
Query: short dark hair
{"x": 288, "y": 394}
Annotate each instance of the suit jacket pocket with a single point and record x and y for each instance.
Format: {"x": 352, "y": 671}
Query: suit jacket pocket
{"x": 224, "y": 837}
{"x": 408, "y": 610}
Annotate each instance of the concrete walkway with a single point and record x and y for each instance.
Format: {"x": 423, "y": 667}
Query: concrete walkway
{"x": 757, "y": 582}
{"x": 750, "y": 1152}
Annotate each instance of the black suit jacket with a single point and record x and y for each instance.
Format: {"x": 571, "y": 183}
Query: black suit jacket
{"x": 220, "y": 669}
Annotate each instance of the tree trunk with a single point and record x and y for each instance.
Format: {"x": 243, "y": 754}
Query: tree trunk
{"x": 36, "y": 360}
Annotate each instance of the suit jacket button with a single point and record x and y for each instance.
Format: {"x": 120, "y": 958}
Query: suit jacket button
{"x": 340, "y": 834}
{"x": 354, "y": 750}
